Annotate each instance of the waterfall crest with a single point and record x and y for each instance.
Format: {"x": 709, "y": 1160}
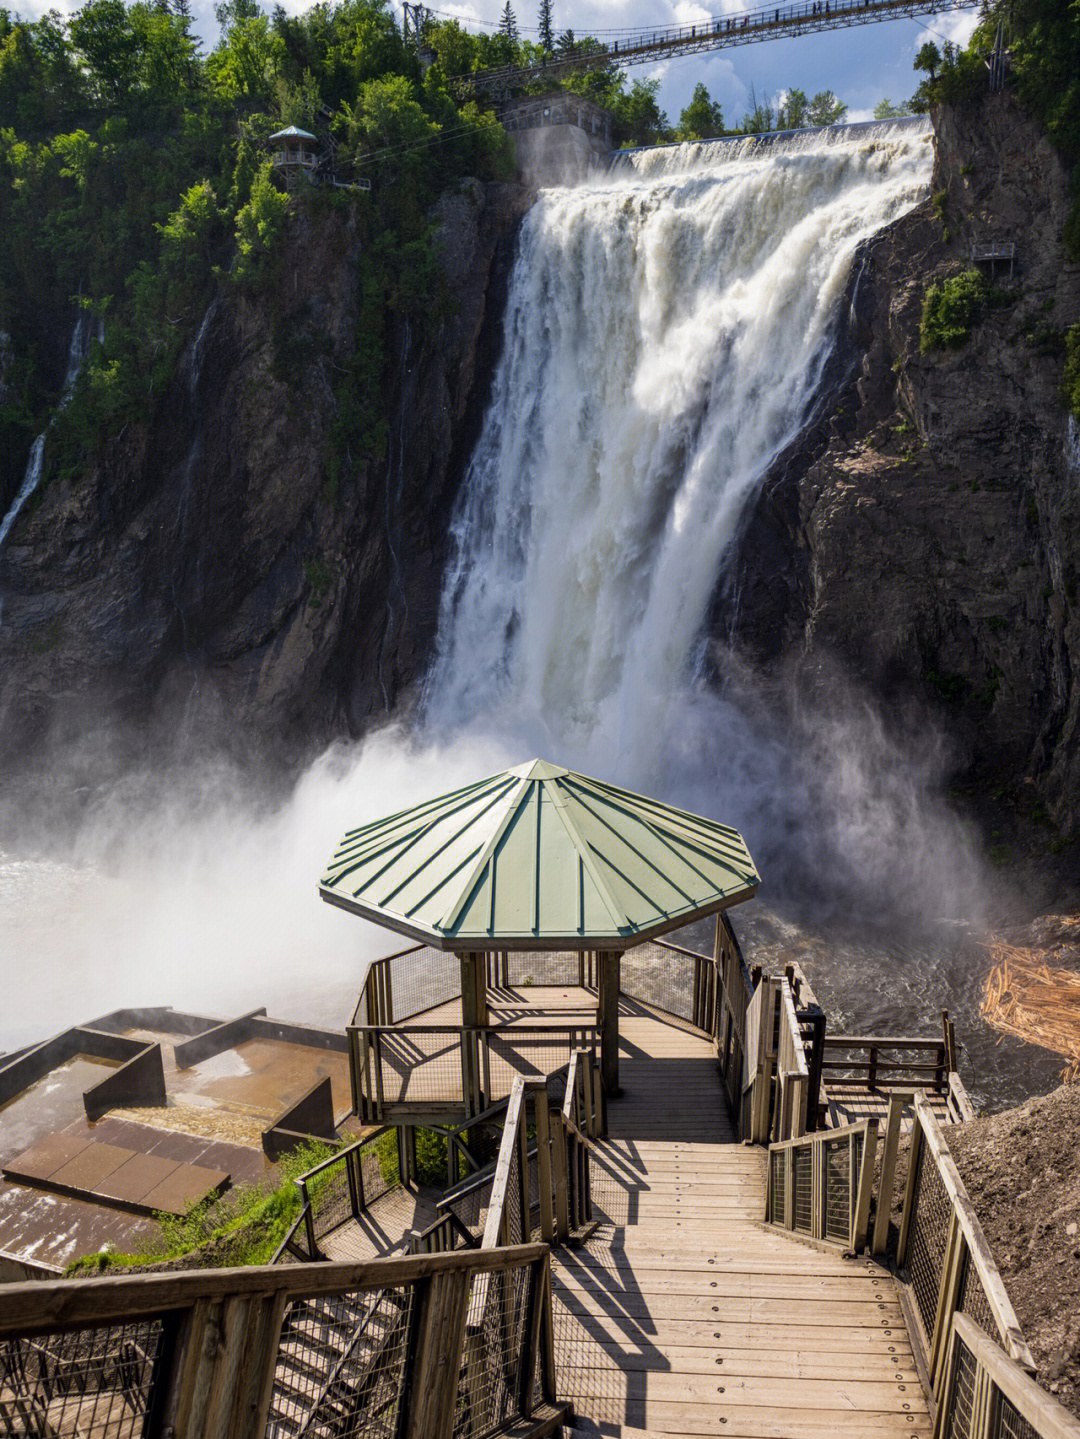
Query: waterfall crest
{"x": 665, "y": 335}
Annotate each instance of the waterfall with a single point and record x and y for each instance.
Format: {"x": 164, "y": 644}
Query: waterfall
{"x": 77, "y": 352}
{"x": 665, "y": 337}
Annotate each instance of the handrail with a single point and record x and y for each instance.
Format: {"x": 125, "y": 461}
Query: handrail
{"x": 339, "y": 1155}
{"x": 212, "y": 1353}
{"x": 1002, "y": 1382}
{"x": 956, "y": 1254}
{"x": 287, "y": 1245}
{"x": 55, "y": 1305}
{"x": 792, "y": 1072}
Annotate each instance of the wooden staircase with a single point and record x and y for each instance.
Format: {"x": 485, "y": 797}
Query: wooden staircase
{"x": 333, "y": 1367}
{"x": 683, "y": 1316}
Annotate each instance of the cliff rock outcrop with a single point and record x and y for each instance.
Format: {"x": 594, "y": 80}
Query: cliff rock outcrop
{"x": 209, "y": 572}
{"x": 925, "y": 531}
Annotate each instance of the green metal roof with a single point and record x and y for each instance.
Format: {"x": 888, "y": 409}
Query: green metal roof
{"x": 539, "y": 858}
{"x": 291, "y": 132}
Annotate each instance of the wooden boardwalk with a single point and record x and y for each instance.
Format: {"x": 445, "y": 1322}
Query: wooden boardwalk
{"x": 682, "y": 1315}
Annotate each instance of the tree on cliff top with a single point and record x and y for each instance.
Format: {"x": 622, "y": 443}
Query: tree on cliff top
{"x": 702, "y": 119}
{"x": 547, "y": 33}
{"x": 508, "y": 23}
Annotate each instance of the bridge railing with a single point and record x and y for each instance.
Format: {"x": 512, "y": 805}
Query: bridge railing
{"x": 422, "y": 1347}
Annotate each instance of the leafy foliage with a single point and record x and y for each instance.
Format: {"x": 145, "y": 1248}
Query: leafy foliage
{"x": 702, "y": 119}
{"x": 135, "y": 180}
{"x": 1071, "y": 381}
{"x": 950, "y": 308}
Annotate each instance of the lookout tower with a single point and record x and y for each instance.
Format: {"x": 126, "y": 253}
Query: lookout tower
{"x": 295, "y": 153}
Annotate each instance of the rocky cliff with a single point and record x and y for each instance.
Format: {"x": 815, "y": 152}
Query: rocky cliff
{"x": 925, "y": 532}
{"x": 218, "y": 571}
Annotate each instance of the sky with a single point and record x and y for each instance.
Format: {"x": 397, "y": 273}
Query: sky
{"x": 862, "y": 65}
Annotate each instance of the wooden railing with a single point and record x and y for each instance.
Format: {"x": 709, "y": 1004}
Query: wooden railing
{"x": 540, "y": 1187}
{"x": 987, "y": 1395}
{"x": 451, "y": 1068}
{"x": 942, "y": 1254}
{"x": 422, "y": 1347}
{"x": 819, "y": 1186}
{"x": 339, "y": 1189}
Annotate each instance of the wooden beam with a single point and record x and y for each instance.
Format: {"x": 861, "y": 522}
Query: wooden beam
{"x": 879, "y": 1243}
{"x": 608, "y": 1019}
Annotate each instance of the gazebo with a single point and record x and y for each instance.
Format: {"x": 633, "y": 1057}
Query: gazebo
{"x": 539, "y": 858}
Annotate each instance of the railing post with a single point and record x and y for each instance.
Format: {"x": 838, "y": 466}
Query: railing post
{"x": 431, "y": 1398}
{"x": 952, "y": 1274}
{"x": 560, "y": 1173}
{"x": 309, "y": 1222}
{"x": 542, "y": 1121}
{"x": 223, "y": 1367}
{"x": 879, "y": 1244}
{"x": 863, "y": 1188}
{"x": 355, "y": 1181}
{"x": 915, "y": 1155}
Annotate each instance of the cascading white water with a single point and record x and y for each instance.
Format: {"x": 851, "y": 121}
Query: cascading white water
{"x": 77, "y": 352}
{"x": 665, "y": 336}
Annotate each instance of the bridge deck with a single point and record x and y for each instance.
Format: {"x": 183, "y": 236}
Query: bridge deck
{"x": 682, "y": 1314}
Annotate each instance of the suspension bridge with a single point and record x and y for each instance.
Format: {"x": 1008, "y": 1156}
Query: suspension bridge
{"x": 720, "y": 32}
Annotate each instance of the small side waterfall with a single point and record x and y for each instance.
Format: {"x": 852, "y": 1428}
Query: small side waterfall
{"x": 78, "y": 349}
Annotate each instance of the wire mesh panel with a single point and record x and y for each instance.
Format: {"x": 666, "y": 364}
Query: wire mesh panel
{"x": 491, "y": 1371}
{"x": 518, "y": 1051}
{"x": 973, "y": 1301}
{"x": 471, "y": 1208}
{"x": 517, "y": 1223}
{"x": 838, "y": 1190}
{"x": 931, "y": 1211}
{"x": 1009, "y": 1423}
{"x": 960, "y": 1409}
{"x": 89, "y": 1384}
{"x": 661, "y": 977}
{"x": 421, "y": 979}
{"x": 342, "y": 1365}
{"x": 804, "y": 1188}
{"x": 559, "y": 967}
{"x": 777, "y": 1177}
{"x": 379, "y": 1166}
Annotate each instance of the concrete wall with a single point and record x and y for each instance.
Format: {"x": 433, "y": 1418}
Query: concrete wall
{"x": 311, "y": 1116}
{"x": 138, "y": 1083}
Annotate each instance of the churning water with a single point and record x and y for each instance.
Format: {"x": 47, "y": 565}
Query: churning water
{"x": 665, "y": 337}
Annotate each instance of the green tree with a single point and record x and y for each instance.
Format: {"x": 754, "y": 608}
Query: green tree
{"x": 702, "y": 119}
{"x": 102, "y": 34}
{"x": 928, "y": 59}
{"x": 258, "y": 227}
{"x": 826, "y": 109}
{"x": 886, "y": 110}
{"x": 638, "y": 116}
{"x": 508, "y": 23}
{"x": 793, "y": 111}
{"x": 547, "y": 34}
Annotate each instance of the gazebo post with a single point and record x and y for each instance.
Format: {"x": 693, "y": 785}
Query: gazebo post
{"x": 607, "y": 1013}
{"x": 474, "y": 1016}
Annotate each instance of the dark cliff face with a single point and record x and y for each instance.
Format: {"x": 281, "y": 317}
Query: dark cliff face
{"x": 924, "y": 533}
{"x": 207, "y": 575}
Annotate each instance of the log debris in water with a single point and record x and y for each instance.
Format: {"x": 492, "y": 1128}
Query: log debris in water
{"x": 1026, "y": 996}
